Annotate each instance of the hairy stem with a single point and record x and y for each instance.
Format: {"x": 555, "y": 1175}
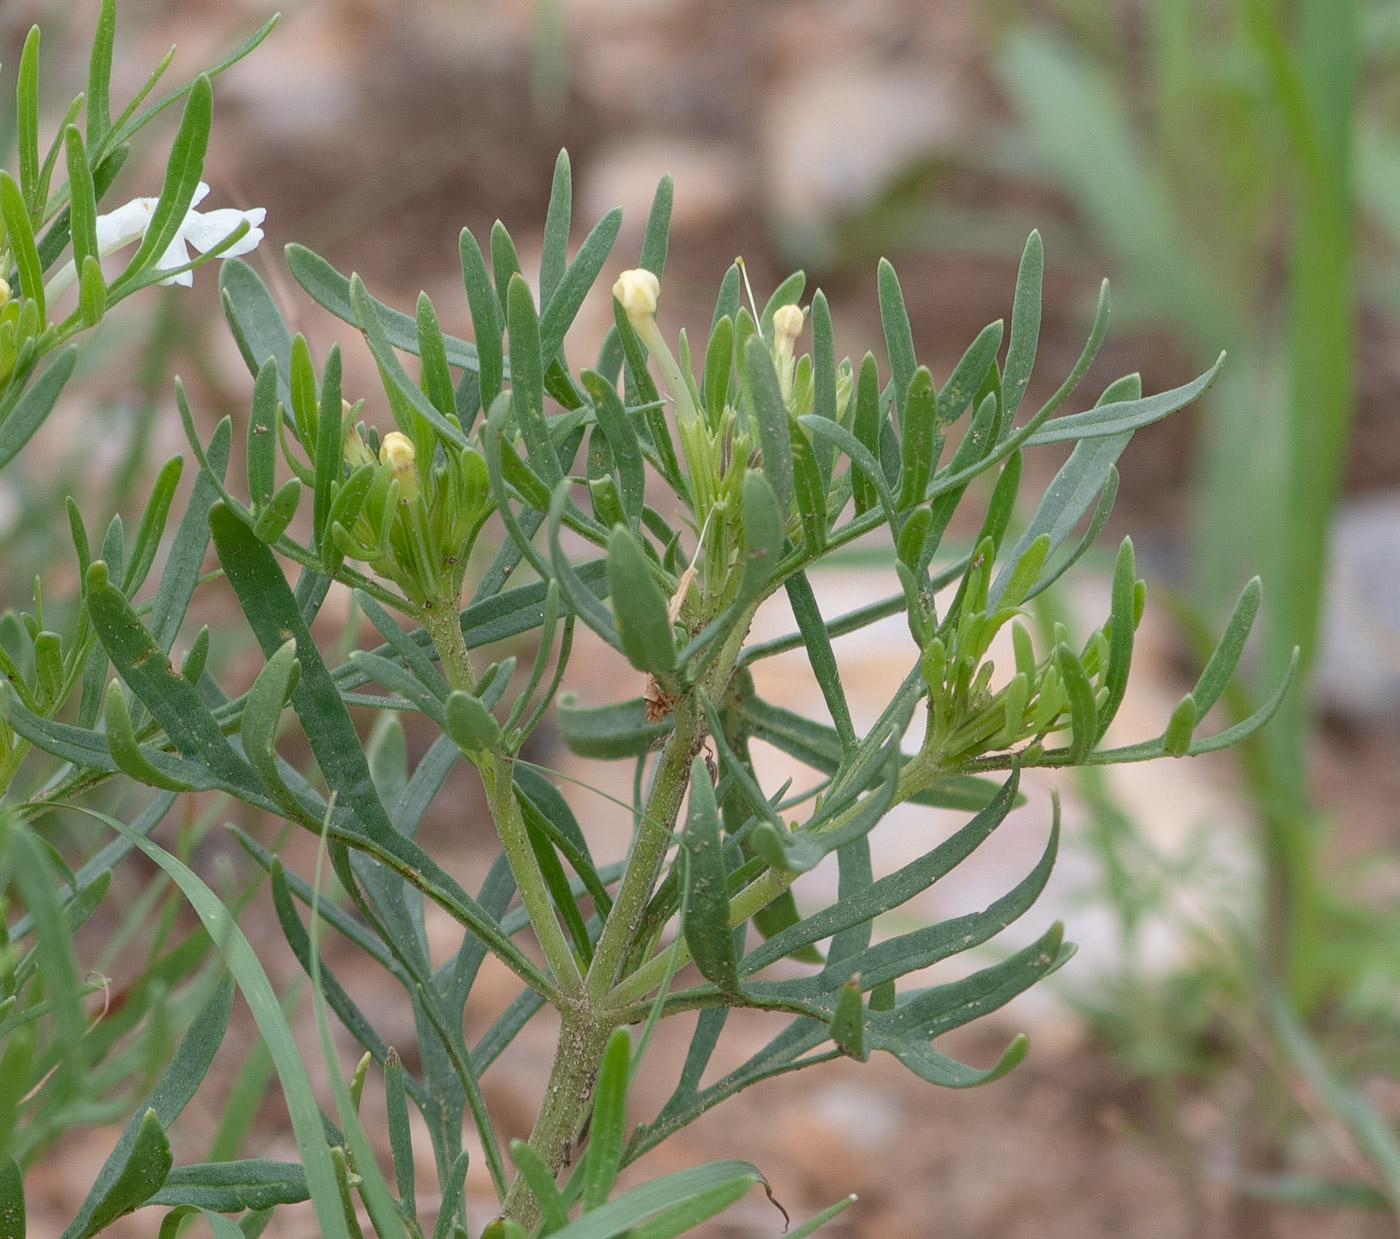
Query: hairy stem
{"x": 497, "y": 770}
{"x": 567, "y": 1098}
{"x": 654, "y": 834}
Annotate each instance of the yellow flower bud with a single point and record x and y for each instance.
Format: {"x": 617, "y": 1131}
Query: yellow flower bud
{"x": 638, "y": 291}
{"x": 397, "y": 452}
{"x": 4, "y": 291}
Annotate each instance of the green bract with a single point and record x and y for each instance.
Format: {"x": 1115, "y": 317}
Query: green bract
{"x": 659, "y": 507}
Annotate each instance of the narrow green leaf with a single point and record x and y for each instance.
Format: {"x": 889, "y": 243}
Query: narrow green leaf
{"x": 152, "y": 526}
{"x": 20, "y": 239}
{"x": 100, "y": 74}
{"x": 639, "y": 606}
{"x": 274, "y": 519}
{"x": 328, "y": 448}
{"x": 486, "y": 317}
{"x": 302, "y": 396}
{"x": 33, "y": 874}
{"x": 171, "y": 1093}
{"x": 619, "y": 1215}
{"x": 848, "y": 1022}
{"x": 558, "y": 217}
{"x": 554, "y": 1213}
{"x": 182, "y": 174}
{"x": 35, "y": 404}
{"x": 27, "y": 122}
{"x": 920, "y": 441}
{"x": 92, "y": 292}
{"x": 367, "y": 318}
{"x": 862, "y": 459}
{"x": 706, "y": 926}
{"x": 899, "y": 336}
{"x": 527, "y": 382}
{"x": 969, "y": 374}
{"x": 762, "y": 529}
{"x": 434, "y": 379}
{"x": 1025, "y": 328}
{"x": 656, "y": 239}
{"x": 171, "y": 699}
{"x": 588, "y": 608}
{"x": 327, "y": 287}
{"x": 127, "y": 753}
{"x": 1122, "y": 628}
{"x": 686, "y": 1216}
{"x": 558, "y": 312}
{"x": 823, "y": 376}
{"x": 257, "y": 324}
{"x": 769, "y": 414}
{"x": 82, "y": 219}
{"x": 231, "y": 1187}
{"x": 505, "y": 262}
{"x": 452, "y": 1188}
{"x": 1083, "y": 712}
{"x": 263, "y": 422}
{"x": 470, "y": 724}
{"x": 622, "y": 439}
{"x": 719, "y": 368}
{"x": 608, "y": 1125}
{"x": 1176, "y": 740}
{"x": 609, "y": 732}
{"x": 810, "y": 490}
{"x": 820, "y": 655}
{"x": 400, "y": 1134}
{"x": 1226, "y": 656}
{"x": 146, "y": 1166}
{"x": 867, "y": 431}
{"x": 1119, "y": 417}
{"x": 1079, "y": 482}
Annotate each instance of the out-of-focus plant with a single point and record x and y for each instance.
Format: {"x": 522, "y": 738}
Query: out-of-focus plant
{"x": 1213, "y": 150}
{"x": 75, "y": 1048}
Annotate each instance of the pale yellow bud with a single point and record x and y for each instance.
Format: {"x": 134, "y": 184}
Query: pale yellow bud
{"x": 638, "y": 291}
{"x": 397, "y": 452}
{"x": 787, "y": 324}
{"x": 4, "y": 291}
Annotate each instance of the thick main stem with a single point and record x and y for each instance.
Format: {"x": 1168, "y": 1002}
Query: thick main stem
{"x": 654, "y": 834}
{"x": 582, "y": 1037}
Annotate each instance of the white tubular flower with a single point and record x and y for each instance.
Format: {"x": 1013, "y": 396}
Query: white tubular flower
{"x": 638, "y": 291}
{"x": 201, "y": 229}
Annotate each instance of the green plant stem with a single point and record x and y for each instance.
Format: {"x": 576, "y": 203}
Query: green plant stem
{"x": 497, "y": 769}
{"x": 497, "y": 775}
{"x": 567, "y": 1096}
{"x": 444, "y": 626}
{"x": 654, "y": 833}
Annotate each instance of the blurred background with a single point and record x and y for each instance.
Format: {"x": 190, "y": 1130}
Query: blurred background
{"x": 1223, "y": 1059}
